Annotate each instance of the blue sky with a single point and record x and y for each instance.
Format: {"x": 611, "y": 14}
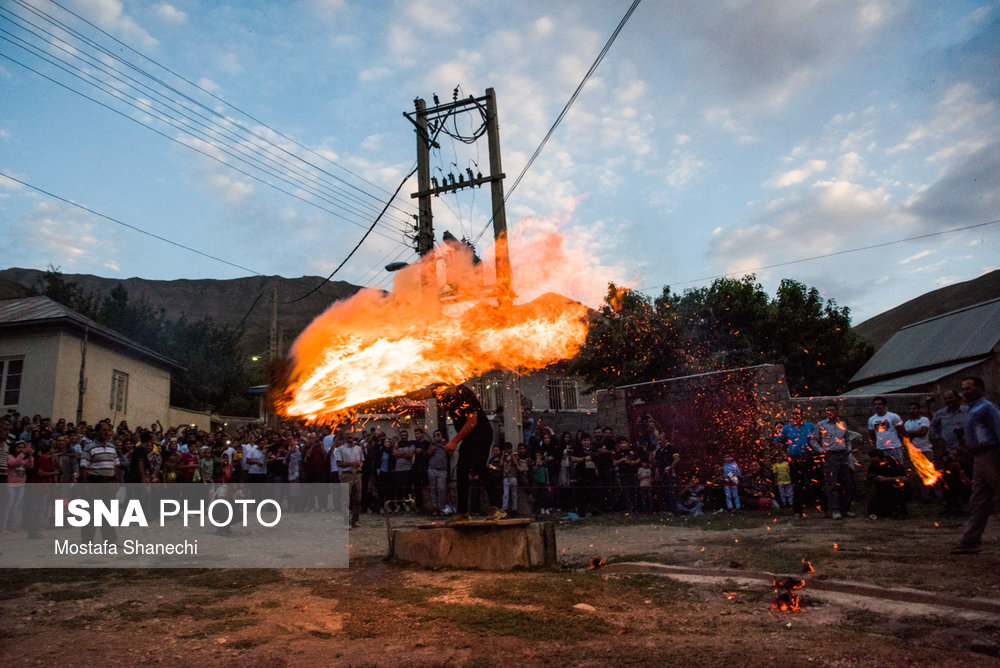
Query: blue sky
{"x": 715, "y": 137}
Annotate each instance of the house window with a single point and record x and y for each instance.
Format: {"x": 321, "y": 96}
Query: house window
{"x": 119, "y": 391}
{"x": 563, "y": 394}
{"x": 489, "y": 394}
{"x": 11, "y": 369}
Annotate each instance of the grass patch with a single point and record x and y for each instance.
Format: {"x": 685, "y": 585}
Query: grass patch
{"x": 70, "y": 594}
{"x": 234, "y": 580}
{"x": 246, "y": 643}
{"x": 409, "y": 595}
{"x": 863, "y": 619}
{"x": 139, "y": 611}
{"x": 533, "y": 626}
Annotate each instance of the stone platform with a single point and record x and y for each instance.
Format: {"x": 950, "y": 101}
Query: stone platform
{"x": 500, "y": 545}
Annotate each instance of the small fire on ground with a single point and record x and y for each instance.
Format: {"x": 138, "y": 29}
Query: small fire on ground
{"x": 787, "y": 600}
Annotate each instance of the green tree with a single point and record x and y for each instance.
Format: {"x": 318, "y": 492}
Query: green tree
{"x": 731, "y": 323}
{"x": 630, "y": 340}
{"x": 55, "y": 286}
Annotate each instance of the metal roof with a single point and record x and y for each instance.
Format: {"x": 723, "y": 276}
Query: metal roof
{"x": 900, "y": 383}
{"x": 969, "y": 333}
{"x": 42, "y": 311}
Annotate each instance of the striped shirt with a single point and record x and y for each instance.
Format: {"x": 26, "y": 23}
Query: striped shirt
{"x": 100, "y": 459}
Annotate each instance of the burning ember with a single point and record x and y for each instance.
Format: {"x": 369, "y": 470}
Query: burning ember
{"x": 923, "y": 466}
{"x": 377, "y": 345}
{"x": 787, "y": 600}
{"x": 807, "y": 566}
{"x": 595, "y": 563}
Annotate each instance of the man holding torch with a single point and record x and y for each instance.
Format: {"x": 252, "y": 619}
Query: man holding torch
{"x": 475, "y": 436}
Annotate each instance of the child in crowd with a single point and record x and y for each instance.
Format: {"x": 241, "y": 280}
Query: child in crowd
{"x": 730, "y": 482}
{"x": 644, "y": 476}
{"x": 783, "y": 479}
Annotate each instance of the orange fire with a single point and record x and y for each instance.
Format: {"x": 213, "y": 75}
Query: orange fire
{"x": 923, "y": 466}
{"x": 440, "y": 323}
{"x": 787, "y": 600}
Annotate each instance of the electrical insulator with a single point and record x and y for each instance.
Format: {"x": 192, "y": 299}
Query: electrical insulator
{"x": 461, "y": 177}
{"x": 434, "y": 182}
{"x": 469, "y": 170}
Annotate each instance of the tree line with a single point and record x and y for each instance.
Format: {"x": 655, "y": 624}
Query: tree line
{"x": 731, "y": 323}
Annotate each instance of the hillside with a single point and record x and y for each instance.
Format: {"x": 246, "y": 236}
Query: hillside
{"x": 880, "y": 328}
{"x": 224, "y": 301}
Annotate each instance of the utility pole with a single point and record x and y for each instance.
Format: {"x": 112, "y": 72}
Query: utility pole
{"x": 425, "y": 226}
{"x": 505, "y": 293}
{"x": 427, "y": 121}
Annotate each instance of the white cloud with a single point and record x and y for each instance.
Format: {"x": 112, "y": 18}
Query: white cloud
{"x": 109, "y": 15}
{"x": 917, "y": 256}
{"x": 208, "y": 85}
{"x": 230, "y": 190}
{"x": 822, "y": 217}
{"x": 230, "y": 63}
{"x": 796, "y": 176}
{"x": 683, "y": 167}
{"x": 327, "y": 10}
{"x": 543, "y": 26}
{"x": 66, "y": 237}
{"x": 428, "y": 17}
{"x": 373, "y": 142}
{"x": 170, "y": 14}
{"x": 373, "y": 74}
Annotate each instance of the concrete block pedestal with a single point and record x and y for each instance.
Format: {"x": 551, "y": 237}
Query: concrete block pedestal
{"x": 500, "y": 545}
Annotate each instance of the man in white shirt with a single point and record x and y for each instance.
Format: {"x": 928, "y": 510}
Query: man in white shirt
{"x": 349, "y": 457}
{"x": 917, "y": 428}
{"x": 254, "y": 462}
{"x": 884, "y": 428}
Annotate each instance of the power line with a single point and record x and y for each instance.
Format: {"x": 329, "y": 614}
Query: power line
{"x": 231, "y": 106}
{"x": 193, "y": 148}
{"x": 124, "y": 224}
{"x": 220, "y": 133}
{"x": 824, "y": 255}
{"x": 358, "y": 245}
{"x": 562, "y": 114}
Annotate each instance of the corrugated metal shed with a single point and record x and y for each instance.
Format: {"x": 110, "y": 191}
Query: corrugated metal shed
{"x": 42, "y": 311}
{"x": 966, "y": 334}
{"x": 910, "y": 380}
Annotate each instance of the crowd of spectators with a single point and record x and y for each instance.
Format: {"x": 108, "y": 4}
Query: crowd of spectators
{"x": 808, "y": 466}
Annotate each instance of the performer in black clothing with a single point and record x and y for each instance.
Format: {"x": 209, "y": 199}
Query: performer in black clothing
{"x": 475, "y": 435}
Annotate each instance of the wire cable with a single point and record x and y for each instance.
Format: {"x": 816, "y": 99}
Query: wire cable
{"x": 131, "y": 227}
{"x": 358, "y": 245}
{"x": 562, "y": 114}
{"x": 845, "y": 251}
{"x": 146, "y": 107}
{"x": 234, "y": 107}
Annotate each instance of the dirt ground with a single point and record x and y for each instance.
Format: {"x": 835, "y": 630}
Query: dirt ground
{"x": 381, "y": 613}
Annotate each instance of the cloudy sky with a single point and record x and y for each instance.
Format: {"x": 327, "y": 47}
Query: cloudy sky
{"x": 713, "y": 138}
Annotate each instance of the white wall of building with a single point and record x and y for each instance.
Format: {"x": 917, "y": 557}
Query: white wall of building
{"x": 50, "y": 381}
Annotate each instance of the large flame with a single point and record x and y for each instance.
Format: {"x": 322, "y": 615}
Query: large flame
{"x": 923, "y": 466}
{"x": 440, "y": 323}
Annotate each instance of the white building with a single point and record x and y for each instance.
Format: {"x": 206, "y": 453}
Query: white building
{"x": 57, "y": 363}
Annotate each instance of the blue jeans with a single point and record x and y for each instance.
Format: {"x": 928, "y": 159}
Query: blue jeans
{"x": 732, "y": 496}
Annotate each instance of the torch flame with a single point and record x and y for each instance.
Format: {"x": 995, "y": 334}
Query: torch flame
{"x": 377, "y": 345}
{"x": 923, "y": 466}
